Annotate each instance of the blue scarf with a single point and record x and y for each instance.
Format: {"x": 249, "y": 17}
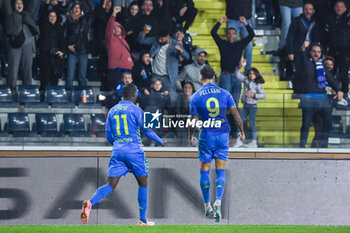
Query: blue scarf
{"x": 308, "y": 27}
{"x": 321, "y": 77}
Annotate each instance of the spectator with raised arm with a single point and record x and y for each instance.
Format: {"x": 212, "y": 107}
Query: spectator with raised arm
{"x": 230, "y": 55}
{"x": 303, "y": 31}
{"x": 234, "y": 10}
{"x": 21, "y": 29}
{"x": 317, "y": 81}
{"x": 119, "y": 56}
{"x": 166, "y": 53}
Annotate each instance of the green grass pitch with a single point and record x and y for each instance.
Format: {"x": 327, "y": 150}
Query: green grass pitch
{"x": 176, "y": 229}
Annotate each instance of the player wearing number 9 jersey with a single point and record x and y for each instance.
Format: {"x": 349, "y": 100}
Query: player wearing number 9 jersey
{"x": 124, "y": 122}
{"x": 210, "y": 102}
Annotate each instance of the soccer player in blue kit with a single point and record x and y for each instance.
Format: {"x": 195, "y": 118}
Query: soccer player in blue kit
{"x": 210, "y": 102}
{"x": 123, "y": 126}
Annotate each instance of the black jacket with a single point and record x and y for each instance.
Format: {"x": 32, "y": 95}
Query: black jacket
{"x": 309, "y": 76}
{"x": 51, "y": 36}
{"x": 297, "y": 33}
{"x": 140, "y": 82}
{"x": 236, "y": 8}
{"x": 15, "y": 20}
{"x": 100, "y": 24}
{"x": 291, "y": 3}
{"x": 77, "y": 33}
{"x": 338, "y": 31}
{"x": 230, "y": 53}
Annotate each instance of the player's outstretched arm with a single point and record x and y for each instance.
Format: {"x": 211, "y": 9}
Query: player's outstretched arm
{"x": 191, "y": 138}
{"x": 238, "y": 121}
{"x": 148, "y": 132}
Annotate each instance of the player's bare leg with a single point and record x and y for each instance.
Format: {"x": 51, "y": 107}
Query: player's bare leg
{"x": 142, "y": 199}
{"x": 98, "y": 196}
{"x": 220, "y": 166}
{"x": 205, "y": 186}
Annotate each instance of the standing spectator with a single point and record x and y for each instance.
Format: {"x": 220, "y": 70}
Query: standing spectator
{"x": 288, "y": 9}
{"x": 102, "y": 14}
{"x": 60, "y": 7}
{"x": 183, "y": 10}
{"x": 166, "y": 53}
{"x": 314, "y": 99}
{"x": 21, "y": 29}
{"x": 338, "y": 41}
{"x": 148, "y": 18}
{"x": 231, "y": 53}
{"x": 77, "y": 26}
{"x": 191, "y": 73}
{"x": 51, "y": 48}
{"x": 142, "y": 72}
{"x": 131, "y": 19}
{"x": 234, "y": 10}
{"x": 183, "y": 108}
{"x": 252, "y": 92}
{"x": 303, "y": 31}
{"x": 119, "y": 57}
{"x": 179, "y": 35}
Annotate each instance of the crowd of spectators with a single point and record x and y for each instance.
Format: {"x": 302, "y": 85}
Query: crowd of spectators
{"x": 147, "y": 42}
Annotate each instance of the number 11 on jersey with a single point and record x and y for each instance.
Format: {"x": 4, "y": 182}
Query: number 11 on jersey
{"x": 126, "y": 129}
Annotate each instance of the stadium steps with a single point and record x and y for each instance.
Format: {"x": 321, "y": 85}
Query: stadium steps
{"x": 279, "y": 117}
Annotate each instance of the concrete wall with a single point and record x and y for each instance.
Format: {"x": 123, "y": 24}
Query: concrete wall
{"x": 49, "y": 190}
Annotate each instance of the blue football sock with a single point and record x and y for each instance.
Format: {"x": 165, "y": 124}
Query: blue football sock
{"x": 100, "y": 193}
{"x": 142, "y": 198}
{"x": 220, "y": 183}
{"x": 205, "y": 185}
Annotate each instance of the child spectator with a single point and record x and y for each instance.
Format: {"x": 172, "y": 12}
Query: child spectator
{"x": 126, "y": 79}
{"x": 156, "y": 98}
{"x": 252, "y": 92}
{"x": 142, "y": 72}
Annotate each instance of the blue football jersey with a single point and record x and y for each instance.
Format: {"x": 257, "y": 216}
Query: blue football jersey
{"x": 210, "y": 102}
{"x": 124, "y": 122}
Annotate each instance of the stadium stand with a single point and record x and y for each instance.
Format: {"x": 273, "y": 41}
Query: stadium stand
{"x": 278, "y": 120}
{"x": 46, "y": 124}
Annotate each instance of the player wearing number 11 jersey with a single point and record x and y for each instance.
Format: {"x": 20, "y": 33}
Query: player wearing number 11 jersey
{"x": 210, "y": 102}
{"x": 123, "y": 126}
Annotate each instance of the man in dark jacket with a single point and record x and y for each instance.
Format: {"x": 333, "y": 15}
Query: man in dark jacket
{"x": 20, "y": 29}
{"x": 236, "y": 9}
{"x": 317, "y": 81}
{"x": 303, "y": 31}
{"x": 338, "y": 41}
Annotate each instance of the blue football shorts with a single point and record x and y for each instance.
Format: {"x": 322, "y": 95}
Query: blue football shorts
{"x": 120, "y": 164}
{"x": 213, "y": 147}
